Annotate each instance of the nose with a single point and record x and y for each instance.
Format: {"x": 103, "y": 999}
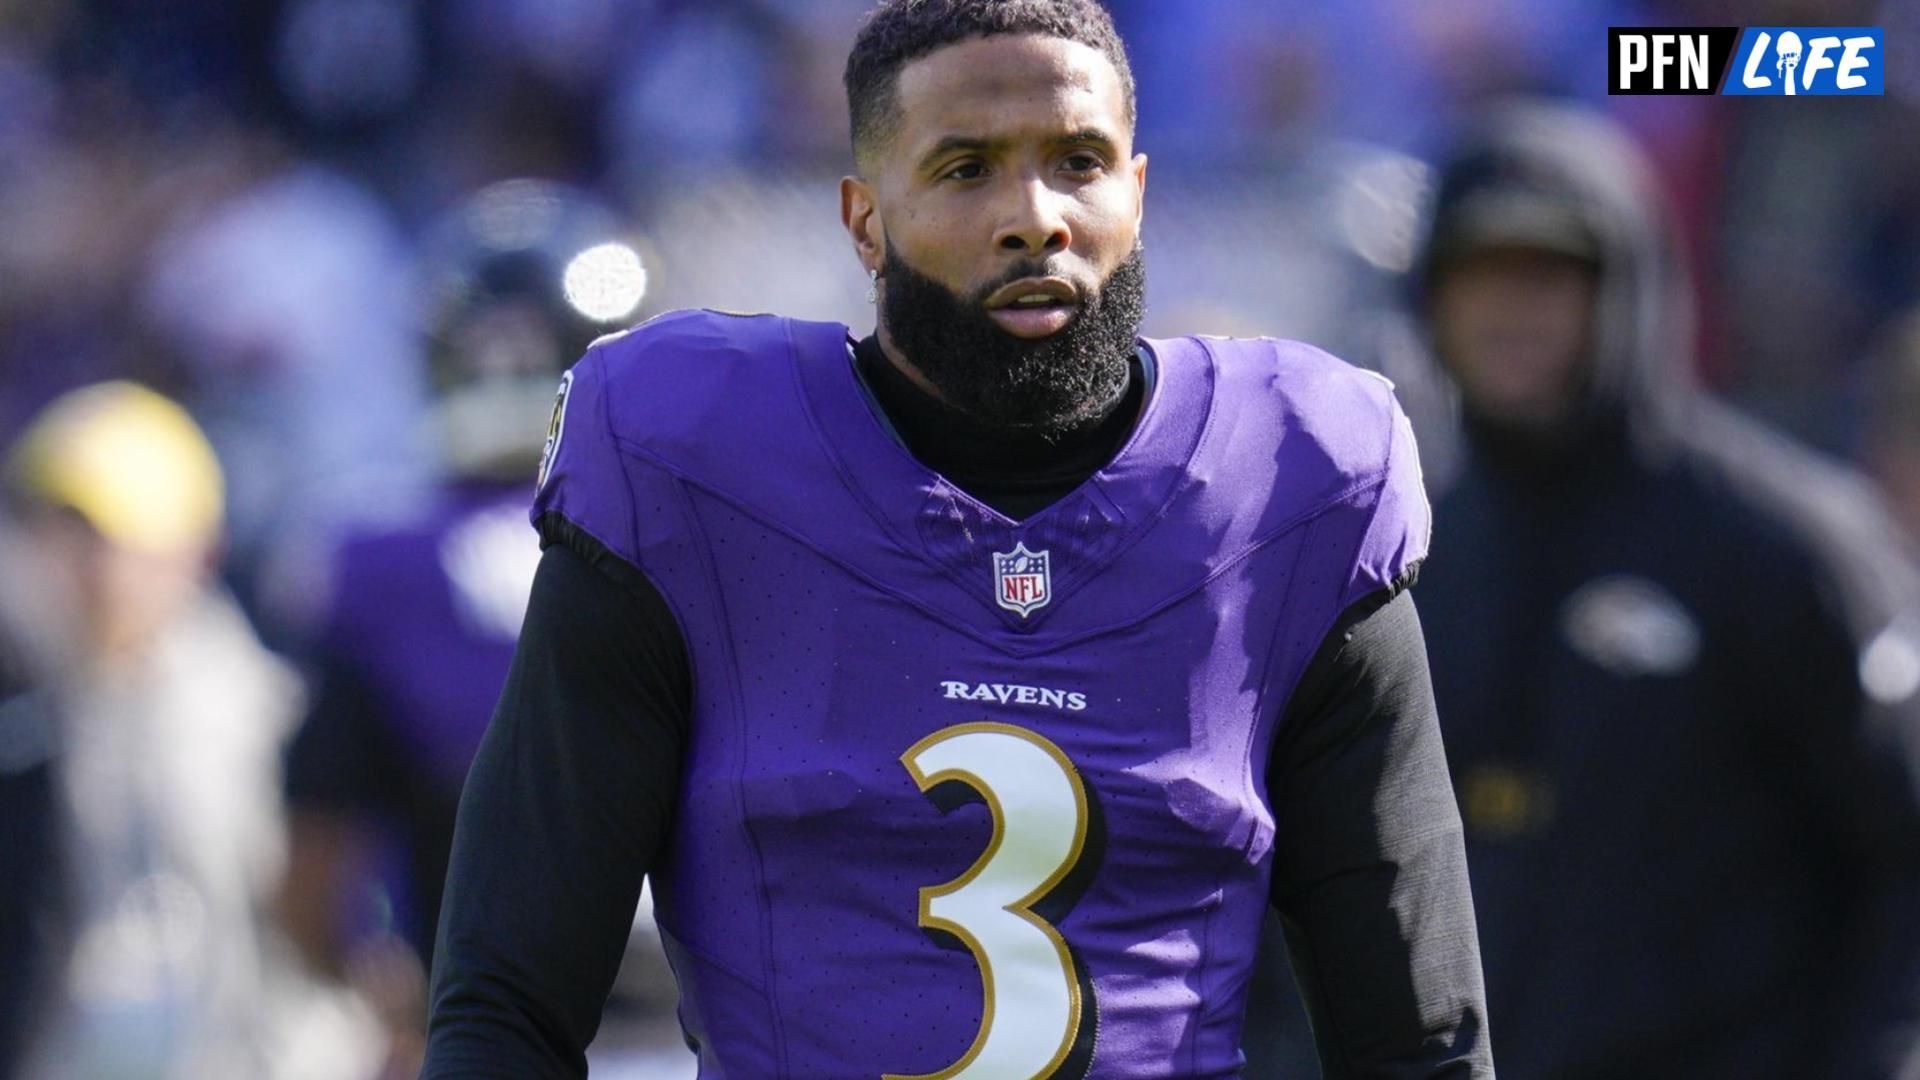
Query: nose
{"x": 1035, "y": 223}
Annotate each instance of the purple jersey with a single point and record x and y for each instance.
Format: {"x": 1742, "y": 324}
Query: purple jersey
{"x": 427, "y": 617}
{"x": 964, "y": 796}
{"x": 418, "y": 640}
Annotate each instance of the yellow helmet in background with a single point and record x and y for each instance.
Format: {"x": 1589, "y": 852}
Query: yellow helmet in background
{"x": 129, "y": 461}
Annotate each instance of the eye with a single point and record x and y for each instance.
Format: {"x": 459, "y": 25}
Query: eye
{"x": 966, "y": 170}
{"x": 1083, "y": 161}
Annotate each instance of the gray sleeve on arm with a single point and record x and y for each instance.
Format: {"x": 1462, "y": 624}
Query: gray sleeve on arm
{"x": 1370, "y": 875}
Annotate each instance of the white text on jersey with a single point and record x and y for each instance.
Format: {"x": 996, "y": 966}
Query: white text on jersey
{"x": 1010, "y": 694}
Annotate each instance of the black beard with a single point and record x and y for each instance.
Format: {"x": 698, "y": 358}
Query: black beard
{"x": 1049, "y": 387}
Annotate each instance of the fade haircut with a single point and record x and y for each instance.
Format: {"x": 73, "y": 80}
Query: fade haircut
{"x": 901, "y": 31}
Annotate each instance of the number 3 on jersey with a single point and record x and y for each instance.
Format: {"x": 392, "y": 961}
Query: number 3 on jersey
{"x": 1036, "y": 1006}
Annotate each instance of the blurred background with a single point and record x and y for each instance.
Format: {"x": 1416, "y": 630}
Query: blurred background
{"x": 313, "y": 267}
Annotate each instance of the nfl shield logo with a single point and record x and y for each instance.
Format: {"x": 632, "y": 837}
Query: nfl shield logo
{"x": 1021, "y": 580}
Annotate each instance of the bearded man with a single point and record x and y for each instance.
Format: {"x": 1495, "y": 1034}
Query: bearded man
{"x": 968, "y": 691}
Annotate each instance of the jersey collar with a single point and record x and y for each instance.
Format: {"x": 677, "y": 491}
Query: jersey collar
{"x": 929, "y": 516}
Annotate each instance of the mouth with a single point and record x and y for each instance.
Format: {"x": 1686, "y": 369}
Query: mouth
{"x": 1034, "y": 307}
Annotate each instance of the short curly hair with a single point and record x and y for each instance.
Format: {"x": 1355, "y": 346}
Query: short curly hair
{"x": 900, "y": 31}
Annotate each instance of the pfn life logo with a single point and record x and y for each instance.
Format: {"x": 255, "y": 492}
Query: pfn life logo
{"x": 1795, "y": 60}
{"x": 1782, "y": 60}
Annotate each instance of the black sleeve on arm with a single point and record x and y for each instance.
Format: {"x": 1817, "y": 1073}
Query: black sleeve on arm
{"x": 1370, "y": 874}
{"x": 566, "y": 808}
{"x": 1851, "y": 764}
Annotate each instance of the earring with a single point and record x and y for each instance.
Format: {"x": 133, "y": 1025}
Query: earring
{"x": 873, "y": 286}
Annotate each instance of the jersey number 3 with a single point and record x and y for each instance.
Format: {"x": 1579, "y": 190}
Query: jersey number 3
{"x": 1036, "y": 1004}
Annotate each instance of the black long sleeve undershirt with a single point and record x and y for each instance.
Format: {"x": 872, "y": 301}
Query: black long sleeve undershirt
{"x": 1369, "y": 877}
{"x": 571, "y": 797}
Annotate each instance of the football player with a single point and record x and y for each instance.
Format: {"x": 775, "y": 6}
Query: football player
{"x": 969, "y": 689}
{"x": 417, "y": 634}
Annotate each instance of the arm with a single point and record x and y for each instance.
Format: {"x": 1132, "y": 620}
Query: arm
{"x": 1851, "y": 759}
{"x": 29, "y": 867}
{"x": 343, "y": 768}
{"x": 567, "y": 807}
{"x": 1370, "y": 876}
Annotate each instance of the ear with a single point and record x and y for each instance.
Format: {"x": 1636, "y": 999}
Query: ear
{"x": 861, "y": 216}
{"x": 1140, "y": 178}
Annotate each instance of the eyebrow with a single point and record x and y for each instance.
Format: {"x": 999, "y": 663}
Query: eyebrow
{"x": 975, "y": 143}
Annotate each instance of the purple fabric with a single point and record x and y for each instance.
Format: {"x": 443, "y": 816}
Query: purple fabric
{"x": 399, "y": 621}
{"x": 832, "y": 590}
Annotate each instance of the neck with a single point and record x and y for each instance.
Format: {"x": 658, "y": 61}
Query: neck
{"x": 905, "y": 366}
{"x": 1016, "y": 472}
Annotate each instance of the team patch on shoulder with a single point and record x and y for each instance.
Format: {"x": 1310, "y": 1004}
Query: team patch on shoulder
{"x": 556, "y": 429}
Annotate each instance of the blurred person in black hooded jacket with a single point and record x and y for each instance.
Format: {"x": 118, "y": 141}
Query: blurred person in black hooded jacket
{"x": 1674, "y": 656}
{"x": 1890, "y": 441}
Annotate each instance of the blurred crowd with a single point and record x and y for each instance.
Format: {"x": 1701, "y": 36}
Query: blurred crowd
{"x": 277, "y": 277}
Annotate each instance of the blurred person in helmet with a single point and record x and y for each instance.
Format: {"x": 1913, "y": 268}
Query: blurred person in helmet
{"x": 421, "y": 616}
{"x": 164, "y": 761}
{"x": 1672, "y": 655}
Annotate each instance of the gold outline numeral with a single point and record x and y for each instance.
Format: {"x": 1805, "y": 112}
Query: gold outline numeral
{"x": 1031, "y": 838}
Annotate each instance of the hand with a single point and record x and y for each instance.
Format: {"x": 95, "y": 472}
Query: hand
{"x": 390, "y": 977}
